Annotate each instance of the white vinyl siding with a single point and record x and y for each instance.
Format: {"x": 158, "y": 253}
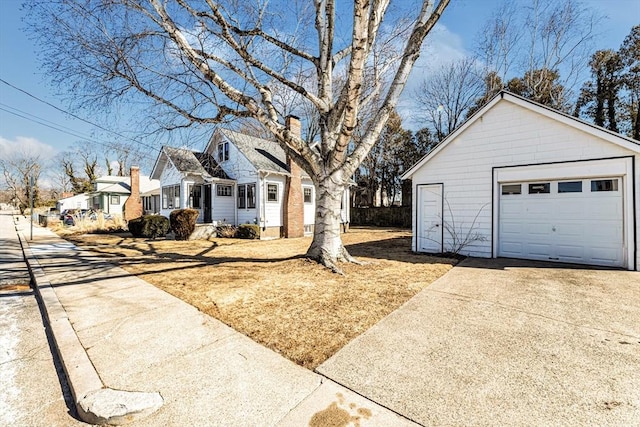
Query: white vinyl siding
{"x": 170, "y": 176}
{"x": 309, "y": 209}
{"x": 505, "y": 135}
{"x": 224, "y": 206}
{"x": 271, "y": 211}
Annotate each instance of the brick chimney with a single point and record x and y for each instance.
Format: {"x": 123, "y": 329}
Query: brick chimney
{"x": 133, "y": 205}
{"x": 293, "y": 200}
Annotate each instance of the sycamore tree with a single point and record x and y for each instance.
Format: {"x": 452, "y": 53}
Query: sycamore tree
{"x": 205, "y": 62}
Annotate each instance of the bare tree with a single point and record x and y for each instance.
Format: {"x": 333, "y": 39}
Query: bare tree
{"x": 18, "y": 168}
{"x": 535, "y": 42}
{"x": 210, "y": 61}
{"x": 497, "y": 46}
{"x": 444, "y": 97}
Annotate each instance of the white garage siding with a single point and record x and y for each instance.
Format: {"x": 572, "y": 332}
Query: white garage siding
{"x": 508, "y": 134}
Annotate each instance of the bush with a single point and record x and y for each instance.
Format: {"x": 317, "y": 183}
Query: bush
{"x": 183, "y": 222}
{"x": 248, "y": 231}
{"x": 226, "y": 230}
{"x": 149, "y": 226}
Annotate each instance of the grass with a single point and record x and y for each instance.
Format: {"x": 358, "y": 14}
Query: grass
{"x": 270, "y": 292}
{"x": 83, "y": 225}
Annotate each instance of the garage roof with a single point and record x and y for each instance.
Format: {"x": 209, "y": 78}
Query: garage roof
{"x": 505, "y": 96}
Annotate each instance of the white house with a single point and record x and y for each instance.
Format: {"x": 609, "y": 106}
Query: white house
{"x": 521, "y": 180}
{"x": 79, "y": 201}
{"x": 115, "y": 194}
{"x": 241, "y": 179}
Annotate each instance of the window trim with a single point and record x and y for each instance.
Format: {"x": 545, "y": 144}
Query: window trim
{"x": 220, "y": 193}
{"x": 223, "y": 151}
{"x": 191, "y": 192}
{"x": 271, "y": 185}
{"x": 170, "y": 193}
{"x": 251, "y": 196}
{"x": 113, "y": 197}
{"x": 306, "y": 188}
{"x": 242, "y": 196}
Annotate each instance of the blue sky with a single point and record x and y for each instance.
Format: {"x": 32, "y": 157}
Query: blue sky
{"x": 19, "y": 67}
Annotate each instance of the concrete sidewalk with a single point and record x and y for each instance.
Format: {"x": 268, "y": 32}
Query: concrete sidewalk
{"x": 182, "y": 366}
{"x": 33, "y": 390}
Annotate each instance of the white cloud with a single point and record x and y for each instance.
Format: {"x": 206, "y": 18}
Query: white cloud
{"x": 23, "y": 145}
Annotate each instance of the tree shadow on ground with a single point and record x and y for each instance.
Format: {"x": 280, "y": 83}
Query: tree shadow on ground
{"x": 396, "y": 249}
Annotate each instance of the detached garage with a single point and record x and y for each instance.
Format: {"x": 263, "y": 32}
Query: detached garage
{"x": 521, "y": 180}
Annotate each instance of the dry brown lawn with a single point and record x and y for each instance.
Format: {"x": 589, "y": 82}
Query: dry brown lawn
{"x": 270, "y": 292}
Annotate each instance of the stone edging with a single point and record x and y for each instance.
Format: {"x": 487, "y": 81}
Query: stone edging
{"x": 95, "y": 403}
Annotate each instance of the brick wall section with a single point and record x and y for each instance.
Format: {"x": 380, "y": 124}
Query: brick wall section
{"x": 133, "y": 205}
{"x": 293, "y": 203}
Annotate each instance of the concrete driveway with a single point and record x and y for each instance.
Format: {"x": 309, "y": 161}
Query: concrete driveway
{"x": 506, "y": 342}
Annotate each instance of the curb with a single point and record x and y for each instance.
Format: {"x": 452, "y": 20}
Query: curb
{"x": 95, "y": 403}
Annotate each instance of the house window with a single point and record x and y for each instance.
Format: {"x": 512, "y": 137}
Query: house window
{"x": 171, "y": 197}
{"x": 604, "y": 185}
{"x": 251, "y": 196}
{"x": 242, "y": 196}
{"x": 223, "y": 151}
{"x": 306, "y": 192}
{"x": 570, "y": 187}
{"x": 224, "y": 190}
{"x": 195, "y": 196}
{"x": 115, "y": 200}
{"x": 541, "y": 188}
{"x": 246, "y": 196}
{"x": 272, "y": 192}
{"x": 511, "y": 189}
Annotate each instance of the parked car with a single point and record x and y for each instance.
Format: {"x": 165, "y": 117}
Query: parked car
{"x": 92, "y": 214}
{"x": 68, "y": 215}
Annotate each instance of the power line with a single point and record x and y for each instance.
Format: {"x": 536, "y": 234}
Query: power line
{"x": 75, "y": 116}
{"x": 39, "y": 120}
{"x": 42, "y": 123}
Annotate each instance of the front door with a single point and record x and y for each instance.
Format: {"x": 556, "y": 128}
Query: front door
{"x": 429, "y": 219}
{"x": 207, "y": 203}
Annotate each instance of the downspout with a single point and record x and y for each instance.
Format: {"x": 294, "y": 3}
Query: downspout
{"x": 263, "y": 202}
{"x": 235, "y": 204}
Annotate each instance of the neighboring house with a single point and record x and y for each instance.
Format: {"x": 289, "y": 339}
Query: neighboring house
{"x": 79, "y": 201}
{"x": 521, "y": 180}
{"x": 241, "y": 179}
{"x": 122, "y": 195}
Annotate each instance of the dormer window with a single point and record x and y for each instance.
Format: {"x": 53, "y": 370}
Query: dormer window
{"x": 223, "y": 151}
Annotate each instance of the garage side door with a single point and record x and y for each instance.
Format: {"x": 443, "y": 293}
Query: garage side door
{"x": 578, "y": 221}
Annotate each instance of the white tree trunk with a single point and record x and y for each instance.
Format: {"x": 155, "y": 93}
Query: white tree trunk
{"x": 326, "y": 247}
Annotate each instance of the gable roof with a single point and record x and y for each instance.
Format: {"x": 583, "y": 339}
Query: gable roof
{"x": 264, "y": 155}
{"x": 188, "y": 162}
{"x": 505, "y": 96}
{"x": 123, "y": 187}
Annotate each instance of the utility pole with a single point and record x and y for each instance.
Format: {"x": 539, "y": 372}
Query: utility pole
{"x": 31, "y": 203}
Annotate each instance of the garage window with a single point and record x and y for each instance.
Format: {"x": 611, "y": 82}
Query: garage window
{"x": 511, "y": 189}
{"x": 570, "y": 187}
{"x": 604, "y": 185}
{"x": 541, "y": 188}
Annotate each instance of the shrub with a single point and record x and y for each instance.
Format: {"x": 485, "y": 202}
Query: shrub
{"x": 226, "y": 230}
{"x": 248, "y": 231}
{"x": 149, "y": 226}
{"x": 183, "y": 222}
